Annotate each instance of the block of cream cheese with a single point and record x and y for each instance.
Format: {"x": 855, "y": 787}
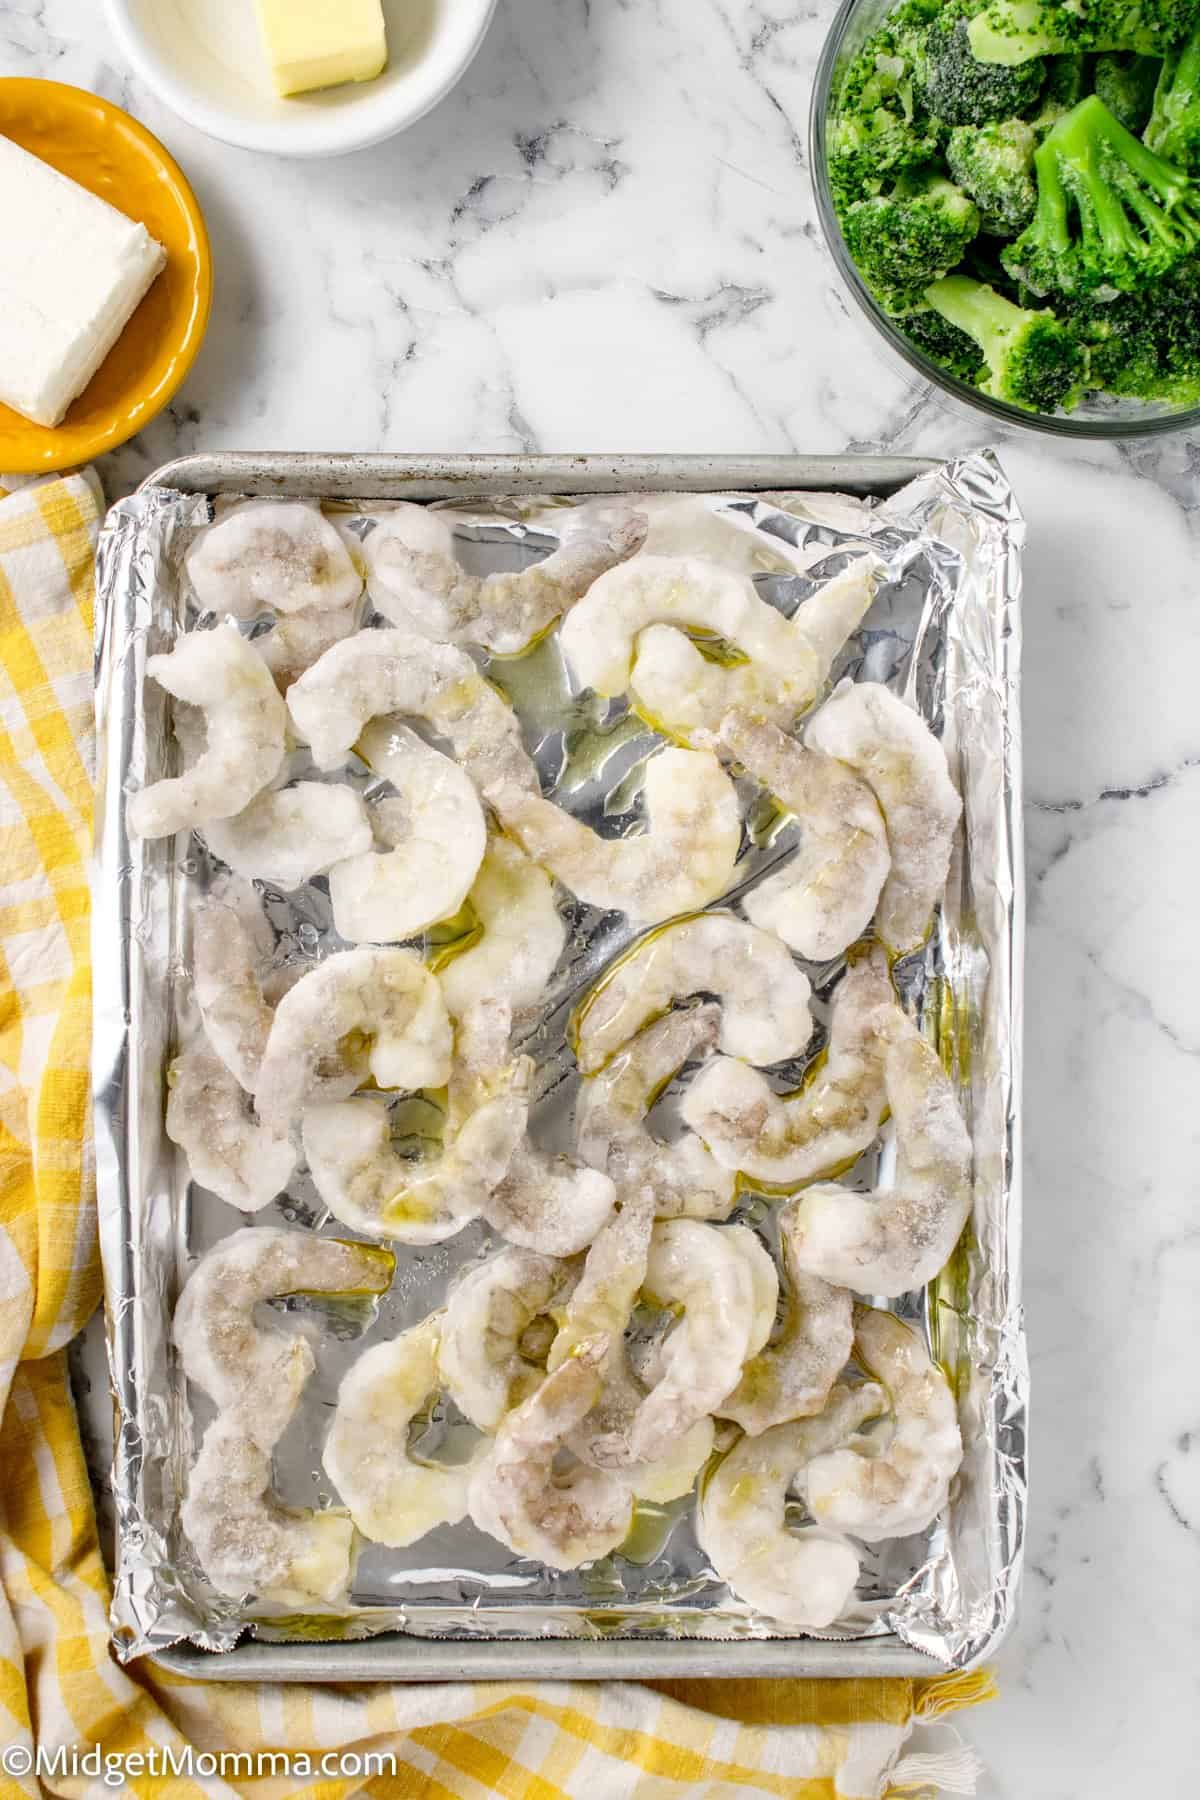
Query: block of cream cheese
{"x": 72, "y": 271}
{"x": 319, "y": 43}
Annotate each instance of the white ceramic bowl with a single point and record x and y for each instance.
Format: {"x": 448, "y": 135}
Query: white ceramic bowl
{"x": 205, "y": 60}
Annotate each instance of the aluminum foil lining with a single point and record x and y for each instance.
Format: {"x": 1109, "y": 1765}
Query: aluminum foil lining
{"x": 945, "y": 632}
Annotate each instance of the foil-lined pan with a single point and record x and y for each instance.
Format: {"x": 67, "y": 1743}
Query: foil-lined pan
{"x": 944, "y": 631}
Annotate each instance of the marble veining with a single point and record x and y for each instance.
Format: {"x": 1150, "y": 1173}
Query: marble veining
{"x": 605, "y": 239}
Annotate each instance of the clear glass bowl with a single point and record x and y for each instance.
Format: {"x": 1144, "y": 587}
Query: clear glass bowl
{"x": 1095, "y": 417}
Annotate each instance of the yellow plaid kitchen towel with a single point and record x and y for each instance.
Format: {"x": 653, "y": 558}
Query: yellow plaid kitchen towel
{"x": 72, "y": 1721}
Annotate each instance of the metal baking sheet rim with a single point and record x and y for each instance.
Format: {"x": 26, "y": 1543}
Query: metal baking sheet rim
{"x": 398, "y": 1656}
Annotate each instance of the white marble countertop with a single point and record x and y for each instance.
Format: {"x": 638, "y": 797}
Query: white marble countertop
{"x": 605, "y": 240}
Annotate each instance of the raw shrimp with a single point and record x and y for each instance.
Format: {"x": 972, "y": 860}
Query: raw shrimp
{"x": 897, "y": 1238}
{"x": 799, "y": 1578}
{"x": 682, "y": 858}
{"x": 247, "y": 1542}
{"x": 892, "y": 1482}
{"x": 523, "y": 934}
{"x": 436, "y": 835}
{"x": 764, "y": 996}
{"x": 792, "y": 1138}
{"x": 826, "y": 894}
{"x": 232, "y": 951}
{"x": 889, "y": 744}
{"x": 245, "y": 720}
{"x": 394, "y": 1498}
{"x": 610, "y": 1131}
{"x": 256, "y": 1372}
{"x": 519, "y": 1495}
{"x": 674, "y": 1473}
{"x": 793, "y": 1376}
{"x": 378, "y": 673}
{"x": 487, "y": 1314}
{"x": 278, "y": 555}
{"x": 547, "y": 1202}
{"x": 288, "y": 835}
{"x": 417, "y": 581}
{"x": 297, "y": 640}
{"x": 228, "y": 1150}
{"x": 625, "y": 637}
{"x": 367, "y": 1010}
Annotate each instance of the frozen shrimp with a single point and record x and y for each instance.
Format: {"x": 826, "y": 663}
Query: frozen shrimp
{"x": 825, "y": 896}
{"x": 764, "y": 996}
{"x": 521, "y": 1495}
{"x": 791, "y": 1378}
{"x": 682, "y": 858}
{"x": 297, "y": 640}
{"x": 434, "y": 834}
{"x": 394, "y": 1497}
{"x": 217, "y": 672}
{"x": 523, "y": 934}
{"x": 247, "y": 1542}
{"x": 379, "y": 673}
{"x": 253, "y": 1371}
{"x": 376, "y": 1011}
{"x": 233, "y": 948}
{"x": 487, "y": 1316}
{"x": 611, "y": 1135}
{"x": 893, "y": 1481}
{"x": 288, "y": 835}
{"x": 417, "y": 581}
{"x": 673, "y": 1474}
{"x": 228, "y": 1150}
{"x": 282, "y": 555}
{"x": 787, "y": 1139}
{"x": 625, "y": 636}
{"x": 888, "y": 743}
{"x": 802, "y": 1578}
{"x": 896, "y": 1238}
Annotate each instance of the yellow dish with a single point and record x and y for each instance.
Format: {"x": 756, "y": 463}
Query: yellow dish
{"x": 107, "y": 152}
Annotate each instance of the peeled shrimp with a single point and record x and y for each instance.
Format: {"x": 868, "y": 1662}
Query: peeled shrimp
{"x": 523, "y": 934}
{"x": 793, "y": 1376}
{"x": 673, "y": 1474}
{"x": 435, "y": 835}
{"x": 826, "y": 894}
{"x": 487, "y": 1315}
{"x": 625, "y": 637}
{"x": 886, "y": 742}
{"x": 378, "y": 673}
{"x": 799, "y": 1578}
{"x": 288, "y": 835}
{"x": 610, "y": 1131}
{"x": 792, "y": 1138}
{"x": 228, "y": 1150}
{"x": 393, "y": 1497}
{"x": 278, "y": 555}
{"x": 218, "y": 672}
{"x": 417, "y": 581}
{"x": 367, "y": 1010}
{"x": 297, "y": 640}
{"x": 519, "y": 1494}
{"x": 897, "y": 1238}
{"x": 232, "y": 950}
{"x": 764, "y": 996}
{"x": 893, "y": 1482}
{"x": 683, "y": 858}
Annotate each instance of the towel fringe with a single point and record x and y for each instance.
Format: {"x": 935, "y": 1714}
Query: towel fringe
{"x": 953, "y": 1771}
{"x": 945, "y": 1694}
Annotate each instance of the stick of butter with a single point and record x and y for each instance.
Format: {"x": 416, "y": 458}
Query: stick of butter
{"x": 319, "y": 43}
{"x": 72, "y": 271}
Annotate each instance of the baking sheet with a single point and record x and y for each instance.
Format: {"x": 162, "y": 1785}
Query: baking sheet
{"x": 945, "y": 630}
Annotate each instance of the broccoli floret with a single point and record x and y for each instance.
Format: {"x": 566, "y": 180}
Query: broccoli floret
{"x": 878, "y": 127}
{"x": 994, "y": 165}
{"x": 1125, "y": 82}
{"x": 963, "y": 91}
{"x": 1065, "y": 85}
{"x": 949, "y": 347}
{"x": 1033, "y": 360}
{"x": 1110, "y": 213}
{"x": 902, "y": 241}
{"x": 1014, "y": 31}
{"x": 1174, "y": 127}
{"x": 1146, "y": 346}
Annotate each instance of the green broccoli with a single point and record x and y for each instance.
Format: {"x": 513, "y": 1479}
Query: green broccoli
{"x": 1033, "y": 360}
{"x": 1146, "y": 346}
{"x": 1174, "y": 127}
{"x": 1111, "y": 215}
{"x": 994, "y": 165}
{"x": 963, "y": 91}
{"x": 1015, "y": 31}
{"x": 1066, "y": 84}
{"x": 902, "y": 241}
{"x": 878, "y": 127}
{"x": 949, "y": 347}
{"x": 1125, "y": 82}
